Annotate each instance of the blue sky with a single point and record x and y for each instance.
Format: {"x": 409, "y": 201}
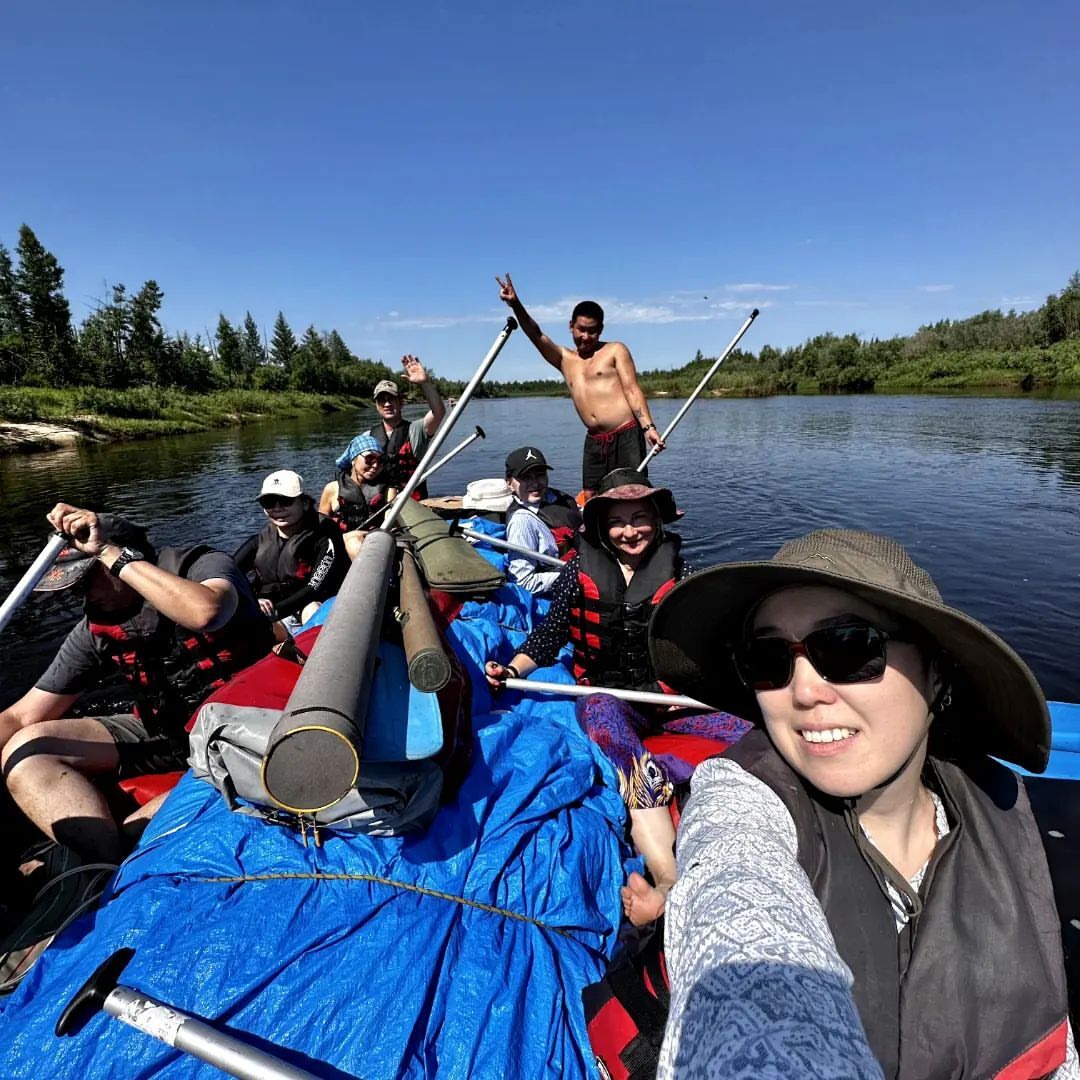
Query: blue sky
{"x": 371, "y": 167}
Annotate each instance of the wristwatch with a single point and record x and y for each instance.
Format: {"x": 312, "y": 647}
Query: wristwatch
{"x": 127, "y": 555}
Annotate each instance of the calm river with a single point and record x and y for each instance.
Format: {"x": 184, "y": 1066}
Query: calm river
{"x": 984, "y": 491}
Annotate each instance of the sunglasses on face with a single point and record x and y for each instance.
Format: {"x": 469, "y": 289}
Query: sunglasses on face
{"x": 269, "y": 502}
{"x": 371, "y": 459}
{"x": 849, "y": 653}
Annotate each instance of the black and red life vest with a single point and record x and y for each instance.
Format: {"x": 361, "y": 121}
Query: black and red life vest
{"x": 562, "y": 517}
{"x": 284, "y": 563}
{"x": 400, "y": 456}
{"x": 171, "y": 669}
{"x": 974, "y": 985}
{"x": 609, "y": 626}
{"x": 356, "y": 502}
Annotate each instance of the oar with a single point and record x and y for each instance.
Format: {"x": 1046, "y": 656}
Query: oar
{"x": 548, "y": 560}
{"x": 700, "y": 386}
{"x": 178, "y": 1029}
{"x": 38, "y": 569}
{"x": 313, "y": 755}
{"x": 641, "y": 697}
{"x": 477, "y": 434}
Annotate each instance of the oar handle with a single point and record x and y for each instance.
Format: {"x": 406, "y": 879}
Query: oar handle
{"x": 503, "y": 545}
{"x": 447, "y": 425}
{"x": 640, "y": 697}
{"x": 700, "y": 386}
{"x": 37, "y": 570}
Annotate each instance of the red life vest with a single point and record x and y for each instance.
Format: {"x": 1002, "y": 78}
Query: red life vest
{"x": 172, "y": 669}
{"x": 609, "y": 625}
{"x": 562, "y": 517}
{"x": 400, "y": 456}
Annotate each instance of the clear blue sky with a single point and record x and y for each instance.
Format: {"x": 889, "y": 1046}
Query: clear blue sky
{"x": 370, "y": 167}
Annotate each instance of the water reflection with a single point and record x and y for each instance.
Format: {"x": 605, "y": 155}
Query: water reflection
{"x": 985, "y": 491}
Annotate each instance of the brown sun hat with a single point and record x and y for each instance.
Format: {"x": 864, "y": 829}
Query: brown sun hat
{"x": 997, "y": 704}
{"x": 72, "y": 565}
{"x": 625, "y": 485}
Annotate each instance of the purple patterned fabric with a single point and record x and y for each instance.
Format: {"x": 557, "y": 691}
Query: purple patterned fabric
{"x": 618, "y": 729}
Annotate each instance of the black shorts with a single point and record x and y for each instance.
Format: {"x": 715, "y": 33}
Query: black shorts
{"x": 619, "y": 449}
{"x": 142, "y": 752}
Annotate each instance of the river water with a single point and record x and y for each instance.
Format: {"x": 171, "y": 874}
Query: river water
{"x": 985, "y": 492}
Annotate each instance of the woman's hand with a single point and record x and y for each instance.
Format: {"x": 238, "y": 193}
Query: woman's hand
{"x": 497, "y": 674}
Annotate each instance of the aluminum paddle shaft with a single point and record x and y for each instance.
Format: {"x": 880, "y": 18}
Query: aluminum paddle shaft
{"x": 700, "y": 386}
{"x": 637, "y": 697}
{"x": 517, "y": 549}
{"x": 231, "y": 1055}
{"x": 477, "y": 434}
{"x": 38, "y": 569}
{"x": 447, "y": 425}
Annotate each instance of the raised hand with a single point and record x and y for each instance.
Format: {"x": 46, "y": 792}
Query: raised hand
{"x": 414, "y": 370}
{"x": 507, "y": 292}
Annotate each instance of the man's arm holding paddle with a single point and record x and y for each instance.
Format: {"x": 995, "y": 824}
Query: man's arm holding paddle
{"x": 548, "y": 349}
{"x": 635, "y": 396}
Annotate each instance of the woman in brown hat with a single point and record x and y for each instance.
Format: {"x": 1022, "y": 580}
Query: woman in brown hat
{"x": 626, "y": 562}
{"x": 870, "y": 775}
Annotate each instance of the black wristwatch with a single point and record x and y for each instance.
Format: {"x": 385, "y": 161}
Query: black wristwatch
{"x": 127, "y": 555}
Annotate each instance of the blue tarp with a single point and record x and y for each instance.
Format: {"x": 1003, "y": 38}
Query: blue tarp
{"x": 361, "y": 977}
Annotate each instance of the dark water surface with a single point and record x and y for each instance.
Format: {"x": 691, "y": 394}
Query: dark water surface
{"x": 984, "y": 491}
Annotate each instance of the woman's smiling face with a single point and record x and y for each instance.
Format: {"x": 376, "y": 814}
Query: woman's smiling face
{"x": 631, "y": 526}
{"x": 844, "y": 738}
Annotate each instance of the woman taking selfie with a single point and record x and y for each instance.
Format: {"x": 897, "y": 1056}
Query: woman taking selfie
{"x": 870, "y": 775}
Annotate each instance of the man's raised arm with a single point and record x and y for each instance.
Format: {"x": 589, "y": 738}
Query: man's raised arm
{"x": 548, "y": 349}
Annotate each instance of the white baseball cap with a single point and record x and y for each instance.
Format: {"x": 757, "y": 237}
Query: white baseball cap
{"x": 283, "y": 482}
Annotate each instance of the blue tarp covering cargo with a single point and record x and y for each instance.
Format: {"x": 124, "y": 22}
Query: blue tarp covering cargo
{"x": 460, "y": 952}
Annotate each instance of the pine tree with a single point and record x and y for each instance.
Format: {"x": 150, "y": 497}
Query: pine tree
{"x": 230, "y": 352}
{"x": 254, "y": 353}
{"x": 148, "y": 358}
{"x": 311, "y": 363}
{"x": 12, "y": 348}
{"x": 283, "y": 344}
{"x": 47, "y": 333}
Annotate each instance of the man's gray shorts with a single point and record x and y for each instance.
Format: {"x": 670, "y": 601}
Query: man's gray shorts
{"x": 140, "y": 751}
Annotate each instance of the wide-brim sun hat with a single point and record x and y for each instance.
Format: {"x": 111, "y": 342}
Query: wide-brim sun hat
{"x": 625, "y": 485}
{"x": 997, "y": 706}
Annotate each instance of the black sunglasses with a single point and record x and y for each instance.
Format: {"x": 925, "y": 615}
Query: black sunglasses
{"x": 268, "y": 502}
{"x": 849, "y": 653}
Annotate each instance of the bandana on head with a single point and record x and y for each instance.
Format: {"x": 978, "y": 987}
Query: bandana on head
{"x": 362, "y": 444}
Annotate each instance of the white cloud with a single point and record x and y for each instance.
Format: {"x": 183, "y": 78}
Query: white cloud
{"x": 755, "y": 286}
{"x": 1018, "y": 301}
{"x": 832, "y": 303}
{"x": 936, "y": 288}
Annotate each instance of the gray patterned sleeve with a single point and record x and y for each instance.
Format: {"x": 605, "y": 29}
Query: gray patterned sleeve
{"x": 758, "y": 988}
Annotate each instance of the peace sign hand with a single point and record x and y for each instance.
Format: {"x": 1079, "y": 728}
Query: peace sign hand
{"x": 507, "y": 292}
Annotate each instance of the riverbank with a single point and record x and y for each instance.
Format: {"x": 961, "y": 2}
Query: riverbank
{"x": 33, "y": 420}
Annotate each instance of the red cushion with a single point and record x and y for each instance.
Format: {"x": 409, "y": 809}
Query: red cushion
{"x": 144, "y": 788}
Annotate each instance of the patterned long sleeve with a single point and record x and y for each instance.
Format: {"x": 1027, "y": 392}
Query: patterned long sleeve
{"x": 550, "y": 635}
{"x": 758, "y": 988}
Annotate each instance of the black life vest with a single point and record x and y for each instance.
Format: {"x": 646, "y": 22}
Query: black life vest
{"x": 609, "y": 626}
{"x": 562, "y": 517}
{"x": 400, "y": 456}
{"x": 974, "y": 986}
{"x": 172, "y": 669}
{"x": 356, "y": 502}
{"x": 284, "y": 563}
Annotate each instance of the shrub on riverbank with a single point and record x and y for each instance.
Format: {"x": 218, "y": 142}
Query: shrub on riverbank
{"x": 148, "y": 410}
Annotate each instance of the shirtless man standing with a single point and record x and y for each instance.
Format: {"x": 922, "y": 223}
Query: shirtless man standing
{"x": 602, "y": 381}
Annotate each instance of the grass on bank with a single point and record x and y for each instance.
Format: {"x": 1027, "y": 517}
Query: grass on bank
{"x": 148, "y": 410}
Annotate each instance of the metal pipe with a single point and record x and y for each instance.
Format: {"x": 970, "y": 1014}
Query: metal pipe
{"x": 700, "y": 386}
{"x": 536, "y": 556}
{"x": 447, "y": 425}
{"x": 477, "y": 434}
{"x": 25, "y": 585}
{"x": 641, "y": 697}
{"x": 170, "y": 1026}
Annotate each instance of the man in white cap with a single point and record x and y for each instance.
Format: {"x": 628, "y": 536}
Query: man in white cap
{"x": 403, "y": 442}
{"x": 176, "y": 623}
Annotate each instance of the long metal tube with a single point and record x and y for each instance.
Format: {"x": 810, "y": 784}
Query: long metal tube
{"x": 700, "y": 386}
{"x": 642, "y": 697}
{"x": 477, "y": 434}
{"x": 536, "y": 556}
{"x": 447, "y": 425}
{"x": 25, "y": 585}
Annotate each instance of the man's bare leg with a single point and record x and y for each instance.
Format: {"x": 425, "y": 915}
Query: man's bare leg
{"x": 135, "y": 823}
{"x": 47, "y": 768}
{"x": 653, "y": 834}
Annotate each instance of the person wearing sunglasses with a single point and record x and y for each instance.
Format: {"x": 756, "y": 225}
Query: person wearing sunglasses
{"x": 625, "y": 563}
{"x": 298, "y": 560}
{"x": 358, "y": 492}
{"x": 867, "y": 794}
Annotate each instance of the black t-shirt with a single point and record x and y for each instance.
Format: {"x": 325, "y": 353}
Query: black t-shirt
{"x": 82, "y": 660}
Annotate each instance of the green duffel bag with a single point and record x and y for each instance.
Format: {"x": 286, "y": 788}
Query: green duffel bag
{"x": 448, "y": 562}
